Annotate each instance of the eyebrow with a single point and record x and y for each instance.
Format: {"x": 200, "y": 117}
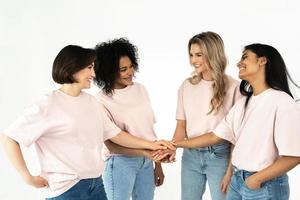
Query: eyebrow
{"x": 198, "y": 52}
{"x": 126, "y": 66}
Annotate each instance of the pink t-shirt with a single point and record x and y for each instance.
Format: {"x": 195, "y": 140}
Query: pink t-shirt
{"x": 68, "y": 133}
{"x": 130, "y": 109}
{"x": 268, "y": 129}
{"x": 194, "y": 103}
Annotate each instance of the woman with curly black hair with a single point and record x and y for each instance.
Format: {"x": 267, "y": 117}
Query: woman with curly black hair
{"x": 128, "y": 173}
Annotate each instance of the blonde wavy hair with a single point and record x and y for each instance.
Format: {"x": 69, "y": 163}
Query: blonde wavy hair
{"x": 212, "y": 47}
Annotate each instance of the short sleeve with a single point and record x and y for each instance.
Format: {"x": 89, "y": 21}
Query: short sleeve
{"x": 237, "y": 94}
{"x": 180, "y": 107}
{"x": 29, "y": 127}
{"x": 110, "y": 130}
{"x": 225, "y": 129}
{"x": 286, "y": 129}
{"x": 145, "y": 93}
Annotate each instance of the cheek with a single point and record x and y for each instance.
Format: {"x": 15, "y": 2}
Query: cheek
{"x": 122, "y": 75}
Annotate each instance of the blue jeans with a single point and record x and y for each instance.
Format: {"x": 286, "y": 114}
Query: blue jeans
{"x": 126, "y": 177}
{"x": 85, "y": 189}
{"x": 274, "y": 189}
{"x": 204, "y": 164}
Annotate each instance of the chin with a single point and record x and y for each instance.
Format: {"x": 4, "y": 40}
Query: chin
{"x": 241, "y": 76}
{"x": 128, "y": 83}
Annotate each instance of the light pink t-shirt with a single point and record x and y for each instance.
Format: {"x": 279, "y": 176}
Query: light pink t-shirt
{"x": 269, "y": 129}
{"x": 130, "y": 109}
{"x": 194, "y": 103}
{"x": 68, "y": 133}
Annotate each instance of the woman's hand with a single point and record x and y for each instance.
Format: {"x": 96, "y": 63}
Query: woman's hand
{"x": 252, "y": 183}
{"x": 226, "y": 181}
{"x": 158, "y": 175}
{"x": 165, "y": 156}
{"x": 163, "y": 144}
{"x": 36, "y": 181}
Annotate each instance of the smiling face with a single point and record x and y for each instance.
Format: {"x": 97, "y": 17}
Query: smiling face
{"x": 250, "y": 66}
{"x": 126, "y": 73}
{"x": 197, "y": 59}
{"x": 85, "y": 76}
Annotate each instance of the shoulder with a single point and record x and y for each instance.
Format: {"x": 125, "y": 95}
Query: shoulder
{"x": 232, "y": 82}
{"x": 138, "y": 85}
{"x": 40, "y": 105}
{"x": 282, "y": 98}
{"x": 185, "y": 83}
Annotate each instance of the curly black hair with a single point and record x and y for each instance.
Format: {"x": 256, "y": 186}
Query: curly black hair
{"x": 108, "y": 56}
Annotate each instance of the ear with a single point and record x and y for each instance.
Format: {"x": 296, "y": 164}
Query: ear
{"x": 263, "y": 60}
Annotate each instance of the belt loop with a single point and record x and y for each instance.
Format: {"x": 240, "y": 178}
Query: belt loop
{"x": 243, "y": 175}
{"x": 210, "y": 149}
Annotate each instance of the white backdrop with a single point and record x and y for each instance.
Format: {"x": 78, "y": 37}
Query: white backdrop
{"x": 33, "y": 32}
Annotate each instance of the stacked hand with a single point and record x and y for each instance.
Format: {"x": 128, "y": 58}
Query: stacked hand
{"x": 162, "y": 151}
{"x": 163, "y": 145}
{"x": 165, "y": 156}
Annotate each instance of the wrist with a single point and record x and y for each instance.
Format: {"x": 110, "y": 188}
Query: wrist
{"x": 150, "y": 145}
{"x": 158, "y": 165}
{"x": 26, "y": 177}
{"x": 180, "y": 144}
{"x": 256, "y": 177}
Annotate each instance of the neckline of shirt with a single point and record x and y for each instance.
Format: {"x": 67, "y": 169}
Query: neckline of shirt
{"x": 206, "y": 81}
{"x": 262, "y": 93}
{"x": 69, "y": 96}
{"x": 117, "y": 91}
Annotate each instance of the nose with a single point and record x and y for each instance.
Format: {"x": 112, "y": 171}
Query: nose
{"x": 131, "y": 71}
{"x": 93, "y": 74}
{"x": 192, "y": 60}
{"x": 238, "y": 64}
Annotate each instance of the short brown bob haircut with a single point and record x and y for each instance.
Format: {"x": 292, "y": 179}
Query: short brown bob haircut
{"x": 70, "y": 60}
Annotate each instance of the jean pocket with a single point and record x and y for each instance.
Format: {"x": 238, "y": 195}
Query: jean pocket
{"x": 279, "y": 187}
{"x": 259, "y": 193}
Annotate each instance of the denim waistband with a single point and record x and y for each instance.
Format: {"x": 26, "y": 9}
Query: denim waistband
{"x": 223, "y": 146}
{"x": 243, "y": 173}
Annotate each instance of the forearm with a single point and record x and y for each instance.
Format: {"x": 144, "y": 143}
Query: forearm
{"x": 126, "y": 140}
{"x": 204, "y": 140}
{"x": 278, "y": 168}
{"x": 158, "y": 166}
{"x": 230, "y": 166}
{"x": 117, "y": 149}
{"x": 15, "y": 156}
{"x": 180, "y": 131}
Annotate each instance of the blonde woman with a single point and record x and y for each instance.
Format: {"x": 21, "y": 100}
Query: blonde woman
{"x": 203, "y": 100}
